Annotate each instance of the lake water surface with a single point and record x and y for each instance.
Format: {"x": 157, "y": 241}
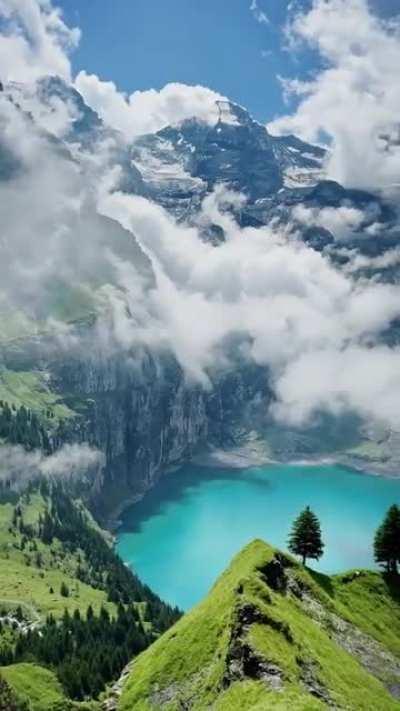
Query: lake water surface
{"x": 184, "y": 532}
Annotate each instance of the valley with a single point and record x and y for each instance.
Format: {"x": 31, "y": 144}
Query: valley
{"x": 199, "y": 358}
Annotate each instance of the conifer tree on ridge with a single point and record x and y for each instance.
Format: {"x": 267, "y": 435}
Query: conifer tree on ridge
{"x": 305, "y": 538}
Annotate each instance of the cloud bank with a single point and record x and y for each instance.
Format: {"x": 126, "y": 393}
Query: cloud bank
{"x": 34, "y": 41}
{"x": 354, "y": 99}
{"x": 147, "y": 111}
{"x": 262, "y": 296}
{"x": 285, "y": 306}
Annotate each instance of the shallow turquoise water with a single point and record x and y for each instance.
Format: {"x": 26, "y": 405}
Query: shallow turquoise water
{"x": 185, "y": 531}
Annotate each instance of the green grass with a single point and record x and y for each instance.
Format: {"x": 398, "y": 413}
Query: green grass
{"x": 41, "y": 689}
{"x": 372, "y": 602}
{"x": 30, "y": 389}
{"x": 71, "y": 303}
{"x": 253, "y": 696}
{"x": 15, "y": 324}
{"x": 38, "y": 588}
{"x": 66, "y": 303}
{"x": 187, "y": 664}
{"x": 33, "y": 683}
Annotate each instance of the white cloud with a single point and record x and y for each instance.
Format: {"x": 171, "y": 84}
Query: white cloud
{"x": 354, "y": 99}
{"x": 52, "y": 262}
{"x": 34, "y": 41}
{"x": 341, "y": 221}
{"x": 390, "y": 258}
{"x": 365, "y": 380}
{"x": 284, "y": 304}
{"x": 73, "y": 462}
{"x": 146, "y": 111}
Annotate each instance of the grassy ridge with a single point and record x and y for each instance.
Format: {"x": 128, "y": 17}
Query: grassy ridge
{"x": 252, "y": 645}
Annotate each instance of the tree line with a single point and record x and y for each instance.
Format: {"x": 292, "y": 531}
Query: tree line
{"x": 86, "y": 652}
{"x": 305, "y": 539}
{"x": 19, "y": 425}
{"x": 102, "y": 567}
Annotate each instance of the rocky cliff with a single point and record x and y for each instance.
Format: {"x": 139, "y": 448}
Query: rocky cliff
{"x": 146, "y": 417}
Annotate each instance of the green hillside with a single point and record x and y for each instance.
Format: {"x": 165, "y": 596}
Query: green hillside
{"x": 71, "y": 613}
{"x": 273, "y": 635}
{"x": 34, "y": 688}
{"x": 37, "y": 686}
{"x": 32, "y": 571}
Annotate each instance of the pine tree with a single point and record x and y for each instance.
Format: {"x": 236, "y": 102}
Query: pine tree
{"x": 305, "y": 538}
{"x": 64, "y": 590}
{"x": 387, "y": 540}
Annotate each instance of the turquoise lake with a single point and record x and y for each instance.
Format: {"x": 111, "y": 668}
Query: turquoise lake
{"x": 184, "y": 532}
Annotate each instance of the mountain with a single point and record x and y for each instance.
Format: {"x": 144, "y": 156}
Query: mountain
{"x": 58, "y": 353}
{"x": 181, "y": 164}
{"x": 75, "y": 285}
{"x": 274, "y": 635}
{"x": 277, "y": 175}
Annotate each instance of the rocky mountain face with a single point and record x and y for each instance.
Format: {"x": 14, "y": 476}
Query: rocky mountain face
{"x": 146, "y": 417}
{"x": 181, "y": 164}
{"x": 138, "y": 407}
{"x": 277, "y": 175}
{"x": 140, "y": 410}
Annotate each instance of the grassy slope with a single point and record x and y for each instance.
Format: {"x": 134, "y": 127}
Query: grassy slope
{"x": 32, "y": 682}
{"x": 41, "y": 688}
{"x": 29, "y": 388}
{"x": 372, "y": 604}
{"x": 188, "y": 663}
{"x": 31, "y": 585}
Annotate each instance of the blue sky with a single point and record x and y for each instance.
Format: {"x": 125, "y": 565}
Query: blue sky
{"x": 217, "y": 43}
{"x": 142, "y": 44}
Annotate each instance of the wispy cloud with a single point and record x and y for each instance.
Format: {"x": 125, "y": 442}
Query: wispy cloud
{"x": 258, "y": 14}
{"x": 147, "y": 111}
{"x": 73, "y": 462}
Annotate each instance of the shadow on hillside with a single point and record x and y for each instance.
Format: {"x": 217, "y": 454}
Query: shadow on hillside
{"x": 323, "y": 581}
{"x": 392, "y": 581}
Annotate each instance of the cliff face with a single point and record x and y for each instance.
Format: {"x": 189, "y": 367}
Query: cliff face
{"x": 145, "y": 416}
